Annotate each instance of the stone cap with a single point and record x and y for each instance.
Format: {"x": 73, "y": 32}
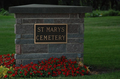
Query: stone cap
{"x": 44, "y": 8}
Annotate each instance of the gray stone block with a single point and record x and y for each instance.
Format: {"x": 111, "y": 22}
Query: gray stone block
{"x": 47, "y": 55}
{"x": 74, "y": 15}
{"x": 15, "y": 28}
{"x": 42, "y": 15}
{"x": 75, "y": 35}
{"x": 24, "y": 62}
{"x": 80, "y": 55}
{"x": 75, "y": 41}
{"x": 32, "y": 21}
{"x": 48, "y": 21}
{"x": 71, "y": 48}
{"x": 31, "y": 36}
{"x": 24, "y": 41}
{"x": 81, "y": 20}
{"x": 57, "y": 48}
{"x": 18, "y": 49}
{"x": 35, "y": 48}
{"x": 18, "y": 62}
{"x": 81, "y": 29}
{"x": 18, "y": 36}
{"x": 24, "y": 29}
{"x": 73, "y": 28}
{"x": 18, "y": 21}
{"x": 81, "y": 15}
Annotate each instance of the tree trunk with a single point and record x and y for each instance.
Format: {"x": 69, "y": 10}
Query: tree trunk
{"x": 2, "y": 4}
{"x": 49, "y": 2}
{"x": 81, "y": 3}
{"x": 110, "y": 4}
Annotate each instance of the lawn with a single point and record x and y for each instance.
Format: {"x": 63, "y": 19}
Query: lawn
{"x": 7, "y": 36}
{"x": 101, "y": 43}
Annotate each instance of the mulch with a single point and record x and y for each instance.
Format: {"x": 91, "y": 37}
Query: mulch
{"x": 95, "y": 70}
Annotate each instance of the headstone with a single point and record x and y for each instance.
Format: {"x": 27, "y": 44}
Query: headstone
{"x": 44, "y": 31}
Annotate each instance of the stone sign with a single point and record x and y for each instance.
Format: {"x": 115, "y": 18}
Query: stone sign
{"x": 44, "y": 31}
{"x": 50, "y": 33}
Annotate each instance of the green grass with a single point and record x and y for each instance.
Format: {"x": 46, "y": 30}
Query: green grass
{"x": 101, "y": 44}
{"x": 7, "y": 35}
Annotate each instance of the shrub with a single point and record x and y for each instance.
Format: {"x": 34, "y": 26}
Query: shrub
{"x": 3, "y": 71}
{"x": 46, "y": 68}
{"x": 113, "y": 12}
{"x": 119, "y": 14}
{"x": 87, "y": 15}
{"x": 4, "y": 12}
{"x": 103, "y": 13}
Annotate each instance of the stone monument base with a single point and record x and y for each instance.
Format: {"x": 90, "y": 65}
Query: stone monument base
{"x": 28, "y": 15}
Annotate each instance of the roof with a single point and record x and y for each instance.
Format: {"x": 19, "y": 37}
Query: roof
{"x": 44, "y": 8}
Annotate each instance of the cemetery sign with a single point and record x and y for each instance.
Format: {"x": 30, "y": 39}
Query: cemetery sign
{"x": 50, "y": 33}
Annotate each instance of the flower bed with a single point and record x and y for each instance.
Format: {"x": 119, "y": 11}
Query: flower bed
{"x": 46, "y": 68}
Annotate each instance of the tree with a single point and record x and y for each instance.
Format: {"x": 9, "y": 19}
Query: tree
{"x": 5, "y": 4}
{"x": 109, "y": 3}
{"x": 70, "y": 2}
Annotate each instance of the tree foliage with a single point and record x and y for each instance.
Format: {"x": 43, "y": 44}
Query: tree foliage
{"x": 96, "y": 4}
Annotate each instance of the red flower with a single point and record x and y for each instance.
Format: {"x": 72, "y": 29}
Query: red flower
{"x": 83, "y": 71}
{"x": 15, "y": 72}
{"x": 59, "y": 72}
{"x": 13, "y": 65}
{"x": 49, "y": 73}
{"x": 8, "y": 54}
{"x": 34, "y": 72}
{"x": 85, "y": 66}
{"x": 42, "y": 62}
{"x": 59, "y": 65}
{"x": 20, "y": 72}
{"x": 51, "y": 68}
{"x": 63, "y": 73}
{"x": 74, "y": 69}
{"x": 70, "y": 68}
{"x": 82, "y": 74}
{"x": 77, "y": 72}
{"x": 30, "y": 73}
{"x": 28, "y": 69}
{"x": 86, "y": 72}
{"x": 54, "y": 72}
{"x": 77, "y": 68}
{"x": 67, "y": 74}
{"x": 54, "y": 66}
{"x": 31, "y": 63}
{"x": 45, "y": 69}
{"x": 13, "y": 75}
{"x": 41, "y": 68}
{"x": 9, "y": 72}
{"x": 34, "y": 68}
{"x": 41, "y": 73}
{"x": 5, "y": 76}
{"x": 21, "y": 65}
{"x": 38, "y": 71}
{"x": 72, "y": 74}
{"x": 25, "y": 74}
